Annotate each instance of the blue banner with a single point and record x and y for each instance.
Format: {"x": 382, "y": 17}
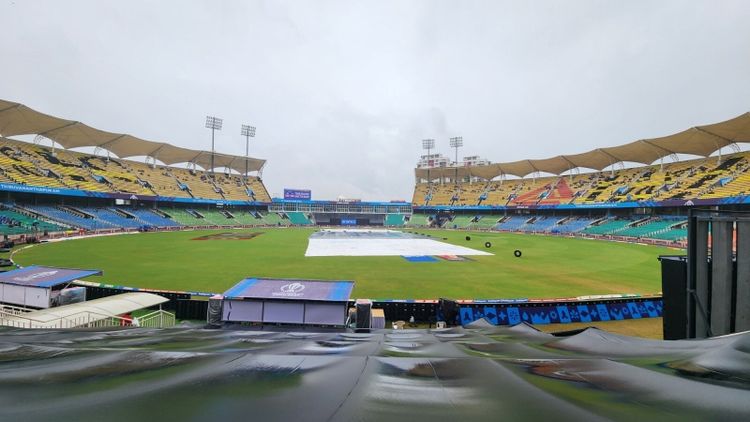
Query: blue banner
{"x": 559, "y": 313}
{"x": 12, "y": 187}
{"x": 743, "y": 199}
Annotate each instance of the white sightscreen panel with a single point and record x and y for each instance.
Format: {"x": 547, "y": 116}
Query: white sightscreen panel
{"x": 325, "y": 313}
{"x": 284, "y": 312}
{"x": 243, "y": 310}
{"x": 37, "y": 297}
{"x": 14, "y": 294}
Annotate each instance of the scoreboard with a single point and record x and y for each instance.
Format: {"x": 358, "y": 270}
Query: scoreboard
{"x": 297, "y": 194}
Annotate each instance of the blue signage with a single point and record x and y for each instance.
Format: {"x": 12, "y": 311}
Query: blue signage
{"x": 561, "y": 313}
{"x": 302, "y": 194}
{"x": 12, "y": 187}
{"x": 348, "y": 222}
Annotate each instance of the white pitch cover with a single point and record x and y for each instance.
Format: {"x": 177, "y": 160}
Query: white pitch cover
{"x": 385, "y": 246}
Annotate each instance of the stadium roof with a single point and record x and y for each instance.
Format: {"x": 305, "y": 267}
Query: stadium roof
{"x": 18, "y": 119}
{"x": 698, "y": 140}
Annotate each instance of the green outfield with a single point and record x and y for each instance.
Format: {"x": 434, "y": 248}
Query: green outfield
{"x": 549, "y": 267}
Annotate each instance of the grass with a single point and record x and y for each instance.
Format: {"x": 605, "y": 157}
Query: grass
{"x": 644, "y": 327}
{"x": 550, "y": 266}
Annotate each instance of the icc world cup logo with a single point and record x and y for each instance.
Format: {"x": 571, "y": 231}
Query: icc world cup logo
{"x": 293, "y": 288}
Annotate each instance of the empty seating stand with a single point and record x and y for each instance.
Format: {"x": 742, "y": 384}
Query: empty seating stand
{"x": 700, "y": 178}
{"x": 36, "y": 165}
{"x": 299, "y": 219}
{"x": 13, "y": 223}
{"x": 72, "y": 218}
{"x": 152, "y": 218}
{"x": 394, "y": 220}
{"x": 612, "y": 226}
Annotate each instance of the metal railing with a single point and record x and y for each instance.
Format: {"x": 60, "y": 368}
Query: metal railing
{"x": 87, "y": 319}
{"x": 13, "y": 310}
{"x": 156, "y": 319}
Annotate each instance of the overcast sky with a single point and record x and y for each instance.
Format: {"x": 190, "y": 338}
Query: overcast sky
{"x": 343, "y": 92}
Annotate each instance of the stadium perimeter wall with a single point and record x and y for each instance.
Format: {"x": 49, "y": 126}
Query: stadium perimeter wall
{"x": 194, "y": 306}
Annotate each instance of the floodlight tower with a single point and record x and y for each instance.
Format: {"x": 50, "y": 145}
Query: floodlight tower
{"x": 428, "y": 144}
{"x": 248, "y": 132}
{"x": 213, "y": 123}
{"x": 456, "y": 143}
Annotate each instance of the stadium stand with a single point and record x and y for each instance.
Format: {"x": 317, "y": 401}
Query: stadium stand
{"x": 245, "y": 218}
{"x": 571, "y": 225}
{"x": 153, "y": 218}
{"x": 419, "y": 220}
{"x": 185, "y": 217}
{"x": 672, "y": 228}
{"x": 487, "y": 221}
{"x": 73, "y": 217}
{"x": 35, "y": 165}
{"x": 672, "y": 234}
{"x": 483, "y": 197}
{"x": 460, "y": 222}
{"x": 512, "y": 223}
{"x": 13, "y": 222}
{"x": 609, "y": 226}
{"x": 698, "y": 178}
{"x": 649, "y": 228}
{"x": 24, "y": 219}
{"x": 116, "y": 218}
{"x": 541, "y": 224}
{"x": 299, "y": 219}
{"x": 394, "y": 220}
{"x": 274, "y": 219}
{"x": 216, "y": 217}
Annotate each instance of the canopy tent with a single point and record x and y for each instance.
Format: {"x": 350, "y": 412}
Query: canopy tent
{"x": 18, "y": 119}
{"x": 699, "y": 140}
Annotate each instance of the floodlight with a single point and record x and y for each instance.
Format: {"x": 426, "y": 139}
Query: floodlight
{"x": 456, "y": 143}
{"x": 214, "y": 123}
{"x": 428, "y": 144}
{"x": 248, "y": 132}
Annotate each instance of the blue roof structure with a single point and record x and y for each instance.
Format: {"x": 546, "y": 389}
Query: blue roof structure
{"x": 38, "y": 276}
{"x": 291, "y": 289}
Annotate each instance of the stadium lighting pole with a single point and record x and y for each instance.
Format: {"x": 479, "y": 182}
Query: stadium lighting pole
{"x": 456, "y": 143}
{"x": 428, "y": 144}
{"x": 213, "y": 123}
{"x": 248, "y": 132}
